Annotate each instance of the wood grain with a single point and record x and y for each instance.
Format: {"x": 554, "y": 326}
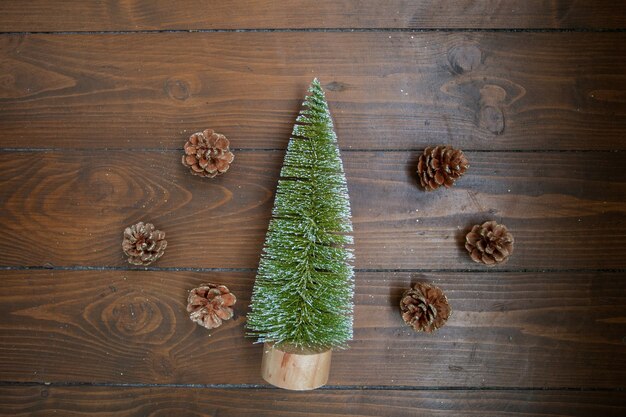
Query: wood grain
{"x": 504, "y": 91}
{"x": 506, "y": 330}
{"x": 77, "y": 15}
{"x": 37, "y": 401}
{"x": 70, "y": 208}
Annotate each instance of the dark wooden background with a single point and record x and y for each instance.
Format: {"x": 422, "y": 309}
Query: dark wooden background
{"x": 97, "y": 98}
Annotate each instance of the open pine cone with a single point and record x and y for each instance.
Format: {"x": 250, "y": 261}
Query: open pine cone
{"x": 489, "y": 243}
{"x": 207, "y": 154}
{"x": 209, "y": 304}
{"x": 441, "y": 165}
{"x": 143, "y": 243}
{"x": 425, "y": 307}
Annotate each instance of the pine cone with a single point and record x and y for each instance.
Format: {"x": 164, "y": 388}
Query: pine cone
{"x": 143, "y": 243}
{"x": 425, "y": 307}
{"x": 441, "y": 165}
{"x": 489, "y": 243}
{"x": 209, "y": 304}
{"x": 207, "y": 154}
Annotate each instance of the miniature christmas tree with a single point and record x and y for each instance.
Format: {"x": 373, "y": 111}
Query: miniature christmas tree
{"x": 302, "y": 298}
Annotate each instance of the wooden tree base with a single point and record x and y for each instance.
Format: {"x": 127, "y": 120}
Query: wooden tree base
{"x": 299, "y": 371}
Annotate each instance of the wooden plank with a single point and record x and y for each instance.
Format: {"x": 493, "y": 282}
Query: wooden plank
{"x": 35, "y": 401}
{"x": 507, "y": 330}
{"x": 70, "y": 208}
{"x": 77, "y": 15}
{"x": 386, "y": 90}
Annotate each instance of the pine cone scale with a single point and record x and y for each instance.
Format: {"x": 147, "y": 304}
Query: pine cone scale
{"x": 221, "y": 165}
{"x": 475, "y": 253}
{"x": 190, "y": 149}
{"x": 224, "y": 314}
{"x": 189, "y": 159}
{"x": 220, "y": 142}
{"x": 472, "y": 237}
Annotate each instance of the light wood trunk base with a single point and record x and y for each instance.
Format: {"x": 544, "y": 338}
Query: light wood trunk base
{"x": 295, "y": 371}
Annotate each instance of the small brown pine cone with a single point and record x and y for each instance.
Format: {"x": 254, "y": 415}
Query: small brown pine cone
{"x": 489, "y": 243}
{"x": 425, "y": 307}
{"x": 207, "y": 154}
{"x": 143, "y": 243}
{"x": 441, "y": 165}
{"x": 209, "y": 304}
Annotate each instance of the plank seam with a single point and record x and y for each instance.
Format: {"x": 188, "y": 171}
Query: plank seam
{"x": 253, "y": 270}
{"x": 343, "y": 150}
{"x": 324, "y": 388}
{"x": 322, "y": 30}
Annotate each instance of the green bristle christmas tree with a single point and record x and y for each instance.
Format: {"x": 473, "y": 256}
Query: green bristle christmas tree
{"x": 302, "y": 298}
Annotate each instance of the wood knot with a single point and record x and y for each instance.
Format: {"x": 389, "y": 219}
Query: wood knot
{"x": 132, "y": 316}
{"x": 486, "y": 97}
{"x": 162, "y": 365}
{"x": 492, "y": 119}
{"x": 336, "y": 86}
{"x": 491, "y": 116}
{"x": 177, "y": 89}
{"x": 464, "y": 58}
